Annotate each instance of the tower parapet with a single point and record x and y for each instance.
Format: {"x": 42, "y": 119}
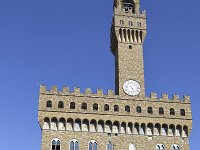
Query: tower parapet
{"x": 110, "y": 94}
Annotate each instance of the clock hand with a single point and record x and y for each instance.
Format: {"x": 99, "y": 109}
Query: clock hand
{"x": 132, "y": 88}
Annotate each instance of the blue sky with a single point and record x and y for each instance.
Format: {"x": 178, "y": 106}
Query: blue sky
{"x": 66, "y": 43}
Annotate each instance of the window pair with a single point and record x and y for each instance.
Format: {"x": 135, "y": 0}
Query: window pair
{"x": 74, "y": 145}
{"x": 162, "y": 147}
{"x": 49, "y": 104}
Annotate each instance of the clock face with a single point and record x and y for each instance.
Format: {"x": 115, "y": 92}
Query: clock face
{"x": 131, "y": 88}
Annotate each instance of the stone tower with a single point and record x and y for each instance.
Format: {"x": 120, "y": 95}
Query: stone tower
{"x": 122, "y": 120}
{"x": 127, "y": 36}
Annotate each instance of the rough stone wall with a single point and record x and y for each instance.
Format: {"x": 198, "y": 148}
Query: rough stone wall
{"x": 120, "y": 140}
{"x": 127, "y": 37}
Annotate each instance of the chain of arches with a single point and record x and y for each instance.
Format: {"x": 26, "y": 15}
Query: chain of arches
{"x": 93, "y": 145}
{"x": 115, "y": 127}
{"x": 130, "y": 36}
{"x": 95, "y": 107}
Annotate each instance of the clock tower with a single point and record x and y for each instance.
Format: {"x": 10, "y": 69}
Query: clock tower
{"x": 128, "y": 120}
{"x": 128, "y": 33}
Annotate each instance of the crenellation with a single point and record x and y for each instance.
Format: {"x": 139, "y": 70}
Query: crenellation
{"x": 43, "y": 89}
{"x": 100, "y": 92}
{"x": 165, "y": 97}
{"x": 54, "y": 89}
{"x": 153, "y": 96}
{"x": 66, "y": 90}
{"x": 186, "y": 99}
{"x": 176, "y": 98}
{"x": 88, "y": 91}
{"x": 111, "y": 94}
{"x": 77, "y": 91}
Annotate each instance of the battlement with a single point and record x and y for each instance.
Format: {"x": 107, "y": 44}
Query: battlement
{"x": 165, "y": 97}
{"x": 110, "y": 94}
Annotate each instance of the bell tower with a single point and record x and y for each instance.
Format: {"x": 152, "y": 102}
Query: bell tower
{"x": 128, "y": 33}
{"x": 128, "y": 120}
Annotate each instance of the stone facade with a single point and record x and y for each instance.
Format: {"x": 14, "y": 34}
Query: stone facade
{"x": 124, "y": 121}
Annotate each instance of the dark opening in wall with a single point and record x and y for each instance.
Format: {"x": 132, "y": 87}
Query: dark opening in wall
{"x": 60, "y": 104}
{"x": 49, "y": 104}
{"x": 161, "y": 111}
{"x": 128, "y": 6}
{"x": 72, "y": 105}
{"x": 139, "y": 109}
{"x": 84, "y": 106}
{"x": 150, "y": 110}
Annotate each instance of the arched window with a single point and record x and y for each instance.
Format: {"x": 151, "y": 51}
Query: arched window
{"x": 61, "y": 124}
{"x": 106, "y": 107}
{"x": 160, "y": 147}
{"x": 164, "y": 130}
{"x": 84, "y": 106}
{"x": 100, "y": 127}
{"x": 172, "y": 112}
{"x": 138, "y": 109}
{"x": 171, "y": 131}
{"x": 70, "y": 124}
{"x": 77, "y": 125}
{"x": 93, "y": 126}
{"x": 132, "y": 147}
{"x": 46, "y": 125}
{"x": 149, "y": 129}
{"x": 175, "y": 147}
{"x": 108, "y": 126}
{"x": 130, "y": 128}
{"x": 128, "y": 6}
{"x": 142, "y": 129}
{"x": 136, "y": 129}
{"x": 178, "y": 130}
{"x": 127, "y": 109}
{"x": 54, "y": 124}
{"x": 150, "y": 110}
{"x": 123, "y": 127}
{"x": 60, "y": 104}
{"x": 55, "y": 144}
{"x": 137, "y": 36}
{"x": 95, "y": 107}
{"x": 92, "y": 145}
{"x": 72, "y": 105}
{"x": 49, "y": 104}
{"x": 130, "y": 23}
{"x": 85, "y": 125}
{"x": 129, "y": 35}
{"x": 125, "y": 35}
{"x": 120, "y": 35}
{"x": 182, "y": 112}
{"x": 74, "y": 145}
{"x": 122, "y": 22}
{"x": 157, "y": 129}
{"x": 116, "y": 108}
{"x": 185, "y": 131}
{"x": 115, "y": 127}
{"x": 161, "y": 111}
{"x": 109, "y": 146}
{"x": 140, "y": 37}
